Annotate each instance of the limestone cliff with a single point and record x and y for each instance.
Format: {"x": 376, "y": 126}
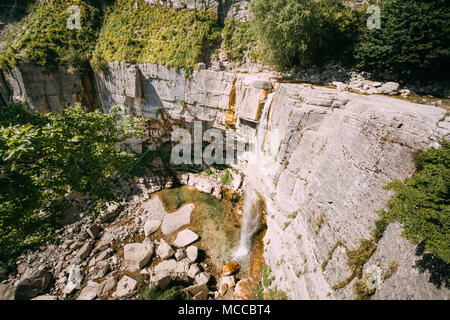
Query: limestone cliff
{"x": 337, "y": 150}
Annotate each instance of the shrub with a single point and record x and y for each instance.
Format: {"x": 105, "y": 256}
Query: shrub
{"x": 43, "y": 158}
{"x": 156, "y": 34}
{"x": 412, "y": 42}
{"x": 48, "y": 42}
{"x": 302, "y": 33}
{"x": 422, "y": 203}
{"x": 239, "y": 39}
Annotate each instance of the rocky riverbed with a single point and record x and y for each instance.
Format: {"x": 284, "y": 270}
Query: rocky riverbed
{"x": 175, "y": 237}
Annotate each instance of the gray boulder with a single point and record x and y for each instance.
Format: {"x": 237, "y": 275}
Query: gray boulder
{"x": 33, "y": 285}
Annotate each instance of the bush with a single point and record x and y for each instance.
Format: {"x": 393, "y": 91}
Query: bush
{"x": 302, "y": 33}
{"x": 156, "y": 34}
{"x": 239, "y": 39}
{"x": 422, "y": 203}
{"x": 43, "y": 158}
{"x": 48, "y": 42}
{"x": 412, "y": 42}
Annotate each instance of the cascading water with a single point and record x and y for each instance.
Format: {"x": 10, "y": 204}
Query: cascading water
{"x": 251, "y": 214}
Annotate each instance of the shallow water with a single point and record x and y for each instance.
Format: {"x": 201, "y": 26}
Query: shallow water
{"x": 214, "y": 221}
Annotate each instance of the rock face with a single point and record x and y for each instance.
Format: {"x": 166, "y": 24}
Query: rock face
{"x": 332, "y": 151}
{"x": 48, "y": 92}
{"x": 337, "y": 151}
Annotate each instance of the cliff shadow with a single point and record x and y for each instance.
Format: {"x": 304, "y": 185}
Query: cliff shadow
{"x": 438, "y": 269}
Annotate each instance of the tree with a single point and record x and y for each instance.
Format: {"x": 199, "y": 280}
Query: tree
{"x": 304, "y": 32}
{"x": 412, "y": 42}
{"x": 422, "y": 203}
{"x": 46, "y": 157}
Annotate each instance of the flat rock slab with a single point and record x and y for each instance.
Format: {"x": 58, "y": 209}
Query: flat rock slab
{"x": 151, "y": 226}
{"x": 174, "y": 221}
{"x": 185, "y": 238}
{"x": 89, "y": 292}
{"x": 153, "y": 209}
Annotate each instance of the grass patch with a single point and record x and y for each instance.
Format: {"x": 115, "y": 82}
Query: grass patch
{"x": 330, "y": 254}
{"x": 266, "y": 278}
{"x": 226, "y": 178}
{"x": 275, "y": 294}
{"x": 357, "y": 258}
{"x": 391, "y": 269}
{"x": 47, "y": 41}
{"x": 361, "y": 291}
{"x": 155, "y": 293}
{"x": 156, "y": 34}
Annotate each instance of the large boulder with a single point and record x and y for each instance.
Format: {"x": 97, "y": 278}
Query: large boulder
{"x": 84, "y": 251}
{"x": 192, "y": 253}
{"x": 125, "y": 286}
{"x": 164, "y": 251}
{"x": 230, "y": 268}
{"x": 33, "y": 285}
{"x": 136, "y": 256}
{"x": 6, "y": 291}
{"x": 185, "y": 238}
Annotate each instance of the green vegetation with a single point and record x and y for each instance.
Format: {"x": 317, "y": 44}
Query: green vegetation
{"x": 330, "y": 254}
{"x": 46, "y": 158}
{"x": 226, "y": 178}
{"x": 391, "y": 269}
{"x": 412, "y": 42}
{"x": 47, "y": 41}
{"x": 357, "y": 258}
{"x": 302, "y": 33}
{"x": 266, "y": 279}
{"x": 361, "y": 291}
{"x": 275, "y": 294}
{"x": 239, "y": 39}
{"x": 422, "y": 203}
{"x": 156, "y": 34}
{"x": 155, "y": 293}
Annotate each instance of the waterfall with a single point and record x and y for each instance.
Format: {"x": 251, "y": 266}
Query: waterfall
{"x": 251, "y": 214}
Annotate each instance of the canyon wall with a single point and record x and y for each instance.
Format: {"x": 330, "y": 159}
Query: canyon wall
{"x": 332, "y": 153}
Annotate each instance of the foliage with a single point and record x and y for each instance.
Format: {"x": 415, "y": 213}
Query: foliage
{"x": 239, "y": 39}
{"x": 358, "y": 258}
{"x": 44, "y": 158}
{"x": 412, "y": 42}
{"x": 422, "y": 203}
{"x": 275, "y": 294}
{"x": 330, "y": 255}
{"x": 361, "y": 291}
{"x": 391, "y": 269}
{"x": 226, "y": 178}
{"x": 155, "y": 34}
{"x": 302, "y": 33}
{"x": 47, "y": 41}
{"x": 266, "y": 279}
{"x": 155, "y": 293}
